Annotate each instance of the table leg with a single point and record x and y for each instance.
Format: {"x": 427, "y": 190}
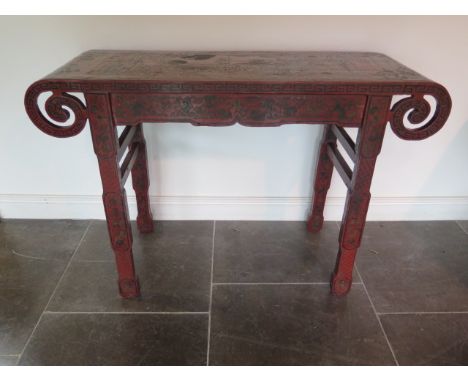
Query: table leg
{"x": 105, "y": 142}
{"x": 323, "y": 176}
{"x": 140, "y": 181}
{"x": 368, "y": 145}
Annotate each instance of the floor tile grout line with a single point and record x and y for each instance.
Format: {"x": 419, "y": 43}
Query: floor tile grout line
{"x": 378, "y": 318}
{"x": 127, "y": 313}
{"x": 211, "y": 297}
{"x": 53, "y": 292}
{"x": 68, "y": 265}
{"x": 286, "y": 283}
{"x": 461, "y": 227}
{"x": 375, "y": 311}
{"x": 417, "y": 313}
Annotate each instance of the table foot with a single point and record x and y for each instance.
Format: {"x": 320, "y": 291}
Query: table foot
{"x": 342, "y": 277}
{"x": 340, "y": 286}
{"x": 145, "y": 224}
{"x": 315, "y": 223}
{"x": 129, "y": 288}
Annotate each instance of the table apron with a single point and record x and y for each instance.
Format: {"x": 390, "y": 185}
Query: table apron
{"x": 246, "y": 109}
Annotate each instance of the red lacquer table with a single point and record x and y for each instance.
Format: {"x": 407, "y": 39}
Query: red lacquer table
{"x": 338, "y": 89}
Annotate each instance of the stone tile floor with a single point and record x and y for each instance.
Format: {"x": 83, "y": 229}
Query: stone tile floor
{"x": 233, "y": 293}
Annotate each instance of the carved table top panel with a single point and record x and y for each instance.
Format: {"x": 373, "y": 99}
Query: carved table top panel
{"x": 235, "y": 66}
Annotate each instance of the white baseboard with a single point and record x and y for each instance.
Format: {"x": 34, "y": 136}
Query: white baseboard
{"x": 231, "y": 208}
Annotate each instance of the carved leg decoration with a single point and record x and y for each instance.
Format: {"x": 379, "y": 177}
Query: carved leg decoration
{"x": 140, "y": 181}
{"x": 368, "y": 145}
{"x": 106, "y": 145}
{"x": 323, "y": 177}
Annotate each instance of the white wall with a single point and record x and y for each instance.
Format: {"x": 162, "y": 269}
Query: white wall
{"x": 231, "y": 172}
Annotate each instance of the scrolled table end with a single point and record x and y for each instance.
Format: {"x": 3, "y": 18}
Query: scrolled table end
{"x": 418, "y": 110}
{"x": 56, "y": 109}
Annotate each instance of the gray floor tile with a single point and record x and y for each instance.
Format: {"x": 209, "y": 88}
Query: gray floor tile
{"x": 33, "y": 256}
{"x": 44, "y": 239}
{"x": 415, "y": 266}
{"x": 173, "y": 264}
{"x": 118, "y": 339}
{"x": 407, "y": 267}
{"x": 8, "y": 360}
{"x": 464, "y": 225}
{"x": 294, "y": 325}
{"x": 274, "y": 252}
{"x": 428, "y": 339}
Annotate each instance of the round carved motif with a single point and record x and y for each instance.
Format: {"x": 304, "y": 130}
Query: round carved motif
{"x": 55, "y": 107}
{"x": 418, "y": 110}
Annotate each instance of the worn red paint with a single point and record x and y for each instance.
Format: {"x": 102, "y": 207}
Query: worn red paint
{"x": 349, "y": 89}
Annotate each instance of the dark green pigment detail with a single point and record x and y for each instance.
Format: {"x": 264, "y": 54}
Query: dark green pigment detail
{"x": 199, "y": 56}
{"x": 340, "y": 109}
{"x": 186, "y": 104}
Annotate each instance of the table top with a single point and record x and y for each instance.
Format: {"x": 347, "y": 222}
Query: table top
{"x": 270, "y": 67}
{"x": 252, "y": 88}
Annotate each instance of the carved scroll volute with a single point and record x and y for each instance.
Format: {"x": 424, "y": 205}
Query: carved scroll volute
{"x": 418, "y": 110}
{"x": 55, "y": 107}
